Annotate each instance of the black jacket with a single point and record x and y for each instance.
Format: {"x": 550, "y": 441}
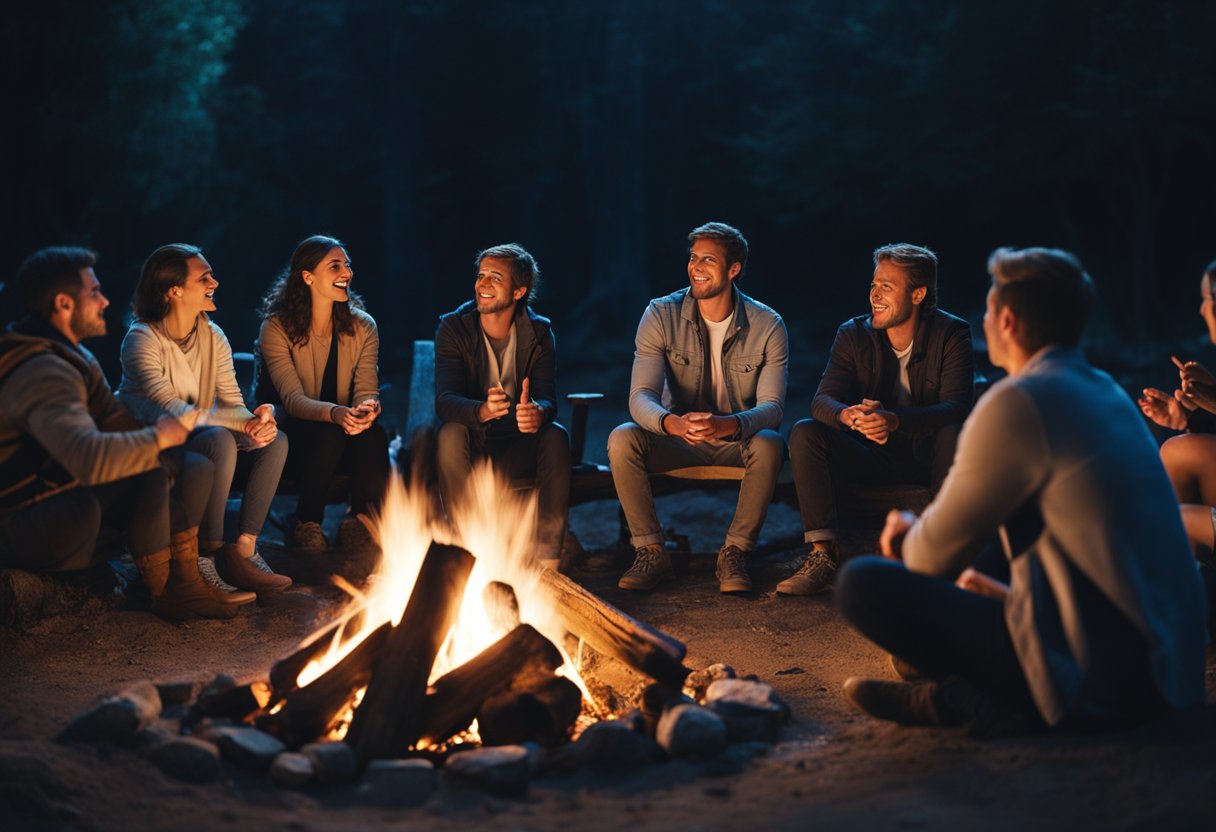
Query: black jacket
{"x": 941, "y": 373}
{"x": 462, "y": 375}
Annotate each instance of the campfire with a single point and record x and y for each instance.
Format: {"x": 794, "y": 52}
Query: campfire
{"x": 458, "y": 644}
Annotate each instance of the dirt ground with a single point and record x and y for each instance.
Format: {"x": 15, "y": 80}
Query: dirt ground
{"x": 834, "y": 768}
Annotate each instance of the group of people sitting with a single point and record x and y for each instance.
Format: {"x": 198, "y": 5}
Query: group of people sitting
{"x": 1050, "y": 576}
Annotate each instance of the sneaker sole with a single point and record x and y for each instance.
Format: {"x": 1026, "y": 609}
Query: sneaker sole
{"x": 632, "y": 587}
{"x": 735, "y": 587}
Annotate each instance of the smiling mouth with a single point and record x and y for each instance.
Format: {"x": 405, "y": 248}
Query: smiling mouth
{"x": 878, "y": 308}
{"x": 342, "y": 284}
{"x": 484, "y": 295}
{"x": 210, "y": 295}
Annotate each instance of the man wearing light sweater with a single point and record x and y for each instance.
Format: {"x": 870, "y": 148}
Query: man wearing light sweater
{"x": 1103, "y": 621}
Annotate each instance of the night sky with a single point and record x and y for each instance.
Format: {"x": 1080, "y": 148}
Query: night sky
{"x": 597, "y": 134}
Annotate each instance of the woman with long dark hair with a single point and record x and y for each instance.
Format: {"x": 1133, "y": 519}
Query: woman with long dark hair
{"x": 176, "y": 359}
{"x": 319, "y": 351}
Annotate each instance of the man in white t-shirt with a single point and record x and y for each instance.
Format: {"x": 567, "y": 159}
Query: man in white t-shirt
{"x": 896, "y": 389}
{"x": 708, "y": 388}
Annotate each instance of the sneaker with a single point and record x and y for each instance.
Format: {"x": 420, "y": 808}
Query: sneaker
{"x": 651, "y": 566}
{"x": 359, "y": 549}
{"x": 907, "y": 703}
{"x": 732, "y": 570}
{"x": 308, "y": 539}
{"x": 817, "y": 573}
{"x": 252, "y": 573}
{"x": 904, "y": 670}
{"x": 231, "y": 595}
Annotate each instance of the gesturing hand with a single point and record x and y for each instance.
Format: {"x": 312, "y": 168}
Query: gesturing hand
{"x": 1162, "y": 408}
{"x": 891, "y": 541}
{"x": 1197, "y": 383}
{"x": 495, "y": 406}
{"x": 527, "y": 414}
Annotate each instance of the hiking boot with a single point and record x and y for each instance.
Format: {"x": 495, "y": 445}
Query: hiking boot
{"x": 230, "y": 594}
{"x": 308, "y": 539}
{"x": 356, "y": 540}
{"x": 907, "y": 703}
{"x": 732, "y": 570}
{"x": 817, "y": 573}
{"x": 651, "y": 566}
{"x": 183, "y": 593}
{"x": 251, "y": 572}
{"x": 904, "y": 670}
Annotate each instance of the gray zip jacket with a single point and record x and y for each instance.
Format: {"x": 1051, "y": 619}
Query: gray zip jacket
{"x": 671, "y": 365}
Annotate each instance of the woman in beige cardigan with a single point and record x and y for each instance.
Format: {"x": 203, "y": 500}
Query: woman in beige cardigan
{"x": 176, "y": 359}
{"x": 319, "y": 352}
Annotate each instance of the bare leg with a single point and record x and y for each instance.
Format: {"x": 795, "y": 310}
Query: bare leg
{"x": 1199, "y": 529}
{"x": 1190, "y": 461}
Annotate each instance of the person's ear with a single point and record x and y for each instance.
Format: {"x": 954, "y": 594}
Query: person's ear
{"x": 519, "y": 292}
{"x": 64, "y": 302}
{"x": 918, "y": 294}
{"x": 306, "y": 277}
{"x": 733, "y": 272}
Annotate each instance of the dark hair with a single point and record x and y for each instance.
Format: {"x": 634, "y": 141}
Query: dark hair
{"x": 524, "y": 270}
{"x": 1047, "y": 289}
{"x": 290, "y": 301}
{"x": 918, "y": 263}
{"x": 165, "y": 268}
{"x": 731, "y": 238}
{"x": 48, "y": 272}
{"x": 1210, "y": 271}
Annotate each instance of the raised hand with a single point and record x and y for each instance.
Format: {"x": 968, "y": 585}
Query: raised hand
{"x": 495, "y": 406}
{"x": 1162, "y": 408}
{"x": 528, "y": 415}
{"x": 891, "y": 541}
{"x": 1197, "y": 383}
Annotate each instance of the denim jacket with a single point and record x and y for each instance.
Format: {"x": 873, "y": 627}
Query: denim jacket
{"x": 671, "y": 366}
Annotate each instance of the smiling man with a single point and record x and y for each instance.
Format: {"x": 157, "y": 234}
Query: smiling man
{"x": 708, "y": 388}
{"x": 496, "y": 393}
{"x": 897, "y": 387}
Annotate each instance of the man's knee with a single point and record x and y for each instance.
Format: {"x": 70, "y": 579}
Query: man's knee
{"x": 626, "y": 443}
{"x": 553, "y": 443}
{"x": 765, "y": 451}
{"x": 452, "y": 445}
{"x": 862, "y": 582}
{"x": 808, "y": 437}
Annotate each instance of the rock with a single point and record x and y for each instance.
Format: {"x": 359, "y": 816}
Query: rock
{"x": 691, "y": 731}
{"x": 116, "y": 719}
{"x": 397, "y": 783}
{"x": 751, "y": 710}
{"x": 246, "y": 747}
{"x": 221, "y": 683}
{"x": 187, "y": 758}
{"x": 538, "y": 756}
{"x": 612, "y": 746}
{"x": 291, "y": 770}
{"x": 634, "y": 719}
{"x": 699, "y": 680}
{"x": 657, "y": 698}
{"x": 333, "y": 762}
{"x": 734, "y": 759}
{"x": 501, "y": 769}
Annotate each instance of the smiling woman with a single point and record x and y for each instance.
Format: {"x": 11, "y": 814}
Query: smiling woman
{"x": 175, "y": 359}
{"x": 319, "y": 352}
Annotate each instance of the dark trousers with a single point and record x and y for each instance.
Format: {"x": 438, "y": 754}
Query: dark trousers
{"x": 318, "y": 451}
{"x": 544, "y": 455}
{"x": 60, "y": 533}
{"x": 821, "y": 454}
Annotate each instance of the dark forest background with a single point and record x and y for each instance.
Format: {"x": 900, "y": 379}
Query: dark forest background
{"x": 598, "y": 133}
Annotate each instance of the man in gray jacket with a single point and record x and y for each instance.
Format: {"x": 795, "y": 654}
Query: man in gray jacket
{"x": 1103, "y": 620}
{"x": 708, "y": 388}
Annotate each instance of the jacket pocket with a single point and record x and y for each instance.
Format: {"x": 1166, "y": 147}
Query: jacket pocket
{"x": 679, "y": 358}
{"x": 745, "y": 363}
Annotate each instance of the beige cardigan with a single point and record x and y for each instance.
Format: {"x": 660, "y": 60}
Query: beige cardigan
{"x": 295, "y": 370}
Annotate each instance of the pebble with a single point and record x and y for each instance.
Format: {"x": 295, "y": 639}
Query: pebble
{"x": 691, "y": 731}
{"x": 291, "y": 770}
{"x": 248, "y": 748}
{"x": 187, "y": 758}
{"x": 699, "y": 680}
{"x": 333, "y": 762}
{"x": 751, "y": 710}
{"x": 116, "y": 719}
{"x": 612, "y": 746}
{"x": 397, "y": 783}
{"x": 501, "y": 769}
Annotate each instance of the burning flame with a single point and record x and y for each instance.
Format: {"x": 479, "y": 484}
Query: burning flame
{"x": 498, "y": 526}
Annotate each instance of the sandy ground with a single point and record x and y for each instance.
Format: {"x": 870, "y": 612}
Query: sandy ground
{"x": 834, "y": 768}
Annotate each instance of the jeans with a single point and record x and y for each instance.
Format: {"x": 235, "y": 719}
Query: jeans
{"x": 319, "y": 450}
{"x": 265, "y": 466}
{"x": 60, "y": 532}
{"x": 819, "y": 453}
{"x": 544, "y": 455}
{"x": 634, "y": 453}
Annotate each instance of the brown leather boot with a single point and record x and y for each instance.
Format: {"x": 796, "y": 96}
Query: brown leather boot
{"x": 186, "y": 594}
{"x": 251, "y": 573}
{"x": 154, "y": 569}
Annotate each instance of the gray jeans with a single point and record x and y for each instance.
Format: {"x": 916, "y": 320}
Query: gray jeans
{"x": 219, "y": 445}
{"x": 634, "y": 453}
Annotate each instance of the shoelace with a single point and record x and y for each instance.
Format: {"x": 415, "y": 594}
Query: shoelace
{"x": 647, "y": 560}
{"x": 732, "y": 562}
{"x": 814, "y": 561}
{"x": 257, "y": 561}
{"x": 206, "y": 568}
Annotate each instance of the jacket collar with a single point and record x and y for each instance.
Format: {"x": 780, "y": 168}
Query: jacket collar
{"x": 689, "y": 310}
{"x": 39, "y": 328}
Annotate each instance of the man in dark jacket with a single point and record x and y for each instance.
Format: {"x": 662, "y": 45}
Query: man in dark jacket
{"x": 897, "y": 387}
{"x": 496, "y": 394}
